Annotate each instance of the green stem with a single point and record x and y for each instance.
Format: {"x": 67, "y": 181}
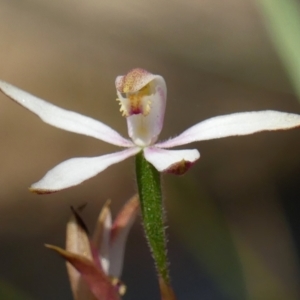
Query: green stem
{"x": 148, "y": 181}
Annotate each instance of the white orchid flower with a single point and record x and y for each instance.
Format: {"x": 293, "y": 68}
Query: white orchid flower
{"x": 142, "y": 97}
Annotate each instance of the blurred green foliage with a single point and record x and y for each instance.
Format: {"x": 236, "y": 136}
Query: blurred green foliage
{"x": 204, "y": 230}
{"x": 282, "y": 18}
{"x": 9, "y": 292}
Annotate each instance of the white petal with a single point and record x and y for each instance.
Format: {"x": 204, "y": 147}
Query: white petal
{"x": 234, "y": 124}
{"x": 101, "y": 236}
{"x": 120, "y": 230}
{"x": 171, "y": 161}
{"x": 142, "y": 96}
{"x": 64, "y": 119}
{"x": 76, "y": 170}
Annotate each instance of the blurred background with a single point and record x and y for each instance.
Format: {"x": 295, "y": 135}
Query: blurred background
{"x": 233, "y": 219}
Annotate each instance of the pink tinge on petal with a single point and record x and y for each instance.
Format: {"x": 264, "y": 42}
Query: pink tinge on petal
{"x": 136, "y": 110}
{"x": 125, "y": 217}
{"x": 133, "y": 81}
{"x": 180, "y": 167}
{"x": 171, "y": 161}
{"x": 96, "y": 256}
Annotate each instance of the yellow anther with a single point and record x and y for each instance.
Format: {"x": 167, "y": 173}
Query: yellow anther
{"x": 136, "y": 103}
{"x": 123, "y": 109}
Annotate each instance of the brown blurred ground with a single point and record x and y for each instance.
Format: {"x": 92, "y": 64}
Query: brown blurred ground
{"x": 216, "y": 58}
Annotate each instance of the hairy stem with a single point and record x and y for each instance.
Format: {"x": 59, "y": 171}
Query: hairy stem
{"x": 149, "y": 187}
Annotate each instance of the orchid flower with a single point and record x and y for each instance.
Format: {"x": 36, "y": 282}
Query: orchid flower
{"x": 142, "y": 98}
{"x": 95, "y": 265}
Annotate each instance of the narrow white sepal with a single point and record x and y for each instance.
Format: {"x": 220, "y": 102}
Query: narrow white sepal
{"x": 234, "y": 124}
{"x": 64, "y": 119}
{"x": 76, "y": 170}
{"x": 164, "y": 160}
{"x": 105, "y": 245}
{"x": 120, "y": 230}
